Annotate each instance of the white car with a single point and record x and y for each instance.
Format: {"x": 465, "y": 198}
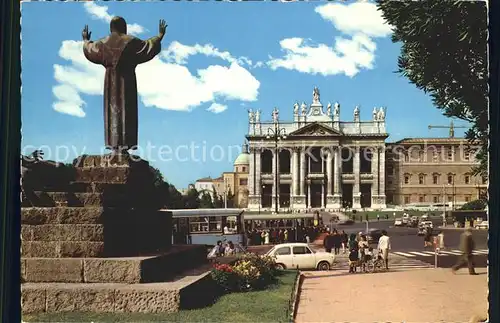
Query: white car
{"x": 398, "y": 222}
{"x": 301, "y": 256}
{"x": 483, "y": 225}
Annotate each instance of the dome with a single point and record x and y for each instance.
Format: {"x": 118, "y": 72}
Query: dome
{"x": 244, "y": 157}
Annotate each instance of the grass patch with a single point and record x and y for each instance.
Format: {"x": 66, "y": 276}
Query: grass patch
{"x": 269, "y": 305}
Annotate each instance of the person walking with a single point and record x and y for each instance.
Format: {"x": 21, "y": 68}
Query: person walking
{"x": 327, "y": 243}
{"x": 363, "y": 248}
{"x": 344, "y": 239}
{"x": 384, "y": 245}
{"x": 336, "y": 239}
{"x": 378, "y": 217}
{"x": 353, "y": 253}
{"x": 467, "y": 246}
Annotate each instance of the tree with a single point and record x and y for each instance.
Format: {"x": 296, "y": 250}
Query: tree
{"x": 218, "y": 202}
{"x": 168, "y": 196}
{"x": 231, "y": 201}
{"x": 192, "y": 199}
{"x": 474, "y": 205}
{"x": 206, "y": 201}
{"x": 444, "y": 54}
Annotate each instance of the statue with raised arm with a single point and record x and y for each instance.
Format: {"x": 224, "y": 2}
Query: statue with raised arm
{"x": 336, "y": 110}
{"x": 329, "y": 109}
{"x": 257, "y": 116}
{"x": 275, "y": 115}
{"x": 356, "y": 113}
{"x": 296, "y": 109}
{"x": 304, "y": 108}
{"x": 251, "y": 117}
{"x": 381, "y": 114}
{"x": 316, "y": 95}
{"x": 120, "y": 53}
{"x": 375, "y": 114}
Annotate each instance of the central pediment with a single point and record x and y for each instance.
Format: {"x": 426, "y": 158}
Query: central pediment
{"x": 315, "y": 129}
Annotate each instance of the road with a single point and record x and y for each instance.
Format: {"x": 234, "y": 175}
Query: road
{"x": 406, "y": 243}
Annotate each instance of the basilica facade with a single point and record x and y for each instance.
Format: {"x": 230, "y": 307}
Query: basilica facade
{"x": 317, "y": 160}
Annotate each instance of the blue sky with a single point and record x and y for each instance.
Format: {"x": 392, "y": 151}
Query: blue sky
{"x": 218, "y": 60}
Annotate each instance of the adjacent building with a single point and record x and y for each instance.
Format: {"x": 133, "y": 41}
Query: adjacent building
{"x": 432, "y": 171}
{"x": 317, "y": 160}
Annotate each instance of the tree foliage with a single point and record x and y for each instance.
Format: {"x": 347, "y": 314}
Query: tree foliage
{"x": 206, "y": 201}
{"x": 474, "y": 205}
{"x": 192, "y": 199}
{"x": 444, "y": 53}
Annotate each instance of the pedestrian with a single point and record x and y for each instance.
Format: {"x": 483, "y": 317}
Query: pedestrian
{"x": 387, "y": 216}
{"x": 336, "y": 238}
{"x": 384, "y": 245}
{"x": 363, "y": 248}
{"x": 327, "y": 243}
{"x": 353, "y": 253}
{"x": 378, "y": 217}
{"x": 467, "y": 246}
{"x": 427, "y": 238}
{"x": 344, "y": 239}
{"x": 441, "y": 240}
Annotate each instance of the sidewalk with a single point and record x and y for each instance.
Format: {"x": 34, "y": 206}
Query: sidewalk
{"x": 424, "y": 295}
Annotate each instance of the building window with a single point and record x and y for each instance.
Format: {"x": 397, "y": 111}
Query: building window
{"x": 450, "y": 198}
{"x": 421, "y": 179}
{"x": 450, "y": 179}
{"x": 421, "y": 198}
{"x": 450, "y": 154}
{"x": 243, "y": 181}
{"x": 435, "y": 179}
{"x": 243, "y": 169}
{"x": 435, "y": 199}
{"x": 407, "y": 179}
{"x": 206, "y": 224}
{"x": 467, "y": 198}
{"x": 407, "y": 199}
{"x": 467, "y": 179}
{"x": 466, "y": 154}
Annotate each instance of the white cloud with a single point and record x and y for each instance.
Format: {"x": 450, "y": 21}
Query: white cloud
{"x": 101, "y": 13}
{"x": 217, "y": 108}
{"x": 164, "y": 82}
{"x": 359, "y": 22}
{"x": 179, "y": 53}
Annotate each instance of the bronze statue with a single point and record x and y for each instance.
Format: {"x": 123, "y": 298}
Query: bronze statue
{"x": 120, "y": 53}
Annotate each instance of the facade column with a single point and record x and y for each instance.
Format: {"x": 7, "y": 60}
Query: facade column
{"x": 275, "y": 173}
{"x": 299, "y": 201}
{"x": 257, "y": 169}
{"x": 337, "y": 179}
{"x": 295, "y": 172}
{"x": 356, "y": 194}
{"x": 375, "y": 173}
{"x": 254, "y": 200}
{"x": 323, "y": 195}
{"x": 329, "y": 173}
{"x": 309, "y": 195}
{"x": 381, "y": 178}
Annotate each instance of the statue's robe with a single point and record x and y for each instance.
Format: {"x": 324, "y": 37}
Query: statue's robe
{"x": 120, "y": 54}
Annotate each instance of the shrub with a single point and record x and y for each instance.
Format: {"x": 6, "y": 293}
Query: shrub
{"x": 248, "y": 273}
{"x": 225, "y": 277}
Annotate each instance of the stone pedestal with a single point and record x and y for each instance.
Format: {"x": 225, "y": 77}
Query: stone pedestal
{"x": 333, "y": 202}
{"x": 356, "y": 201}
{"x": 253, "y": 203}
{"x": 378, "y": 202}
{"x": 100, "y": 222}
{"x": 299, "y": 203}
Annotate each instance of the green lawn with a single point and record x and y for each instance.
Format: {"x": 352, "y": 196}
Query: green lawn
{"x": 261, "y": 306}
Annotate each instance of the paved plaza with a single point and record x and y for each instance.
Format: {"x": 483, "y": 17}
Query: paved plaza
{"x": 421, "y": 295}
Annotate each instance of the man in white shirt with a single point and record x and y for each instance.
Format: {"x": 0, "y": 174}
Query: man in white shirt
{"x": 384, "y": 245}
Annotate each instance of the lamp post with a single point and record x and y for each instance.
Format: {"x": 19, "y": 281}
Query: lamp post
{"x": 226, "y": 185}
{"x": 276, "y": 134}
{"x": 444, "y": 205}
{"x": 261, "y": 196}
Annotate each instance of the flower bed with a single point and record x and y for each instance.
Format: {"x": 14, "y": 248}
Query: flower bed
{"x": 251, "y": 272}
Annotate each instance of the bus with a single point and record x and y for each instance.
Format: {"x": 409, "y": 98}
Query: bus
{"x": 207, "y": 226}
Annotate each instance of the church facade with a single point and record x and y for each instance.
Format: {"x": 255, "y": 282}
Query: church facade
{"x": 317, "y": 160}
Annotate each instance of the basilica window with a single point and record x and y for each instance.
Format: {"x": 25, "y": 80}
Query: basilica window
{"x": 407, "y": 199}
{"x": 421, "y": 179}
{"x": 467, "y": 179}
{"x": 407, "y": 179}
{"x": 450, "y": 179}
{"x": 243, "y": 181}
{"x": 435, "y": 179}
{"x": 467, "y": 198}
{"x": 421, "y": 199}
{"x": 435, "y": 199}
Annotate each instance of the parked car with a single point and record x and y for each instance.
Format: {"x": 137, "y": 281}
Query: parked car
{"x": 398, "y": 222}
{"x": 300, "y": 255}
{"x": 424, "y": 217}
{"x": 427, "y": 224}
{"x": 483, "y": 225}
